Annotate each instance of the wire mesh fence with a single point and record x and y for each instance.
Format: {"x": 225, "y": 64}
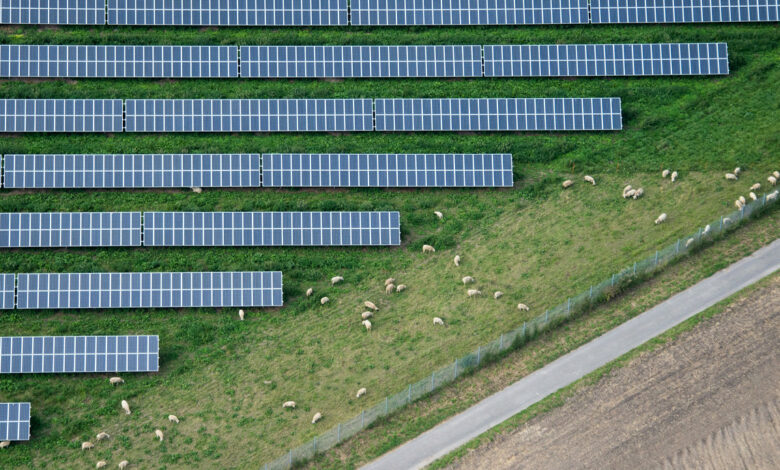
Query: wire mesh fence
{"x": 581, "y": 302}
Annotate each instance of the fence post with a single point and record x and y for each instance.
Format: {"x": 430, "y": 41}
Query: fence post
{"x": 363, "y": 419}
{"x": 338, "y": 434}
{"x": 677, "y": 248}
{"x": 479, "y": 354}
{"x": 501, "y": 342}
{"x": 741, "y": 212}
{"x": 721, "y": 223}
{"x": 590, "y": 296}
{"x": 656, "y": 257}
{"x": 290, "y": 461}
{"x": 409, "y": 394}
{"x": 523, "y": 331}
{"x": 315, "y": 444}
{"x": 568, "y": 305}
{"x": 546, "y": 315}
{"x": 613, "y": 280}
{"x": 634, "y": 268}
{"x": 432, "y": 376}
{"x": 456, "y": 368}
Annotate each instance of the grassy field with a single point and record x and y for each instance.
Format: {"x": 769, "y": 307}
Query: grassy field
{"x": 534, "y": 242}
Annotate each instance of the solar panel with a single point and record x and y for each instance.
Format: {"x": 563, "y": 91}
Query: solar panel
{"x": 271, "y": 228}
{"x": 119, "y": 61}
{"x": 14, "y": 422}
{"x": 52, "y": 12}
{"x": 606, "y": 60}
{"x": 60, "y": 115}
{"x": 178, "y": 170}
{"x": 360, "y": 61}
{"x": 149, "y": 290}
{"x": 78, "y": 354}
{"x": 228, "y": 13}
{"x": 683, "y": 11}
{"x": 498, "y": 114}
{"x": 7, "y": 291}
{"x": 252, "y": 115}
{"x": 468, "y": 12}
{"x": 69, "y": 229}
{"x": 387, "y": 170}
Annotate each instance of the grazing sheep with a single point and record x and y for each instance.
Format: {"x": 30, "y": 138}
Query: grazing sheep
{"x": 288, "y": 404}
{"x": 439, "y": 214}
{"x": 366, "y": 315}
{"x": 87, "y": 445}
{"x": 590, "y": 180}
{"x": 126, "y": 407}
{"x": 116, "y": 380}
{"x": 428, "y": 249}
{"x": 497, "y": 294}
{"x": 123, "y": 464}
{"x": 173, "y": 419}
{"x": 567, "y": 183}
{"x": 360, "y": 393}
{"x": 706, "y": 230}
{"x": 664, "y": 173}
{"x": 197, "y": 190}
{"x": 731, "y": 176}
{"x": 389, "y": 289}
{"x": 4, "y": 444}
{"x": 102, "y": 435}
{"x": 776, "y": 174}
{"x": 101, "y": 464}
{"x": 457, "y": 260}
{"x": 755, "y": 187}
{"x": 317, "y": 417}
{"x": 661, "y": 219}
{"x": 626, "y": 189}
{"x": 739, "y": 204}
{"x": 674, "y": 176}
{"x": 324, "y": 300}
{"x": 629, "y": 194}
{"x": 771, "y": 196}
{"x": 523, "y": 307}
{"x": 473, "y": 292}
{"x": 467, "y": 279}
{"x": 241, "y": 315}
{"x": 772, "y": 180}
{"x": 390, "y": 280}
{"x": 737, "y": 171}
{"x": 335, "y": 280}
{"x": 638, "y": 193}
{"x": 742, "y": 200}
{"x": 752, "y": 195}
{"x": 159, "y": 434}
{"x": 370, "y": 305}
{"x": 400, "y": 288}
{"x": 689, "y": 242}
{"x": 309, "y": 292}
{"x": 367, "y": 324}
{"x": 438, "y": 321}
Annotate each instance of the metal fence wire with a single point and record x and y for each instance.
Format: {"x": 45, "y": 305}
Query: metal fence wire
{"x": 520, "y": 335}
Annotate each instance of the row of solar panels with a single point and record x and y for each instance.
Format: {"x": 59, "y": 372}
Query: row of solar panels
{"x": 33, "y": 171}
{"x": 311, "y": 115}
{"x": 547, "y": 60}
{"x": 128, "y": 229}
{"x": 382, "y": 12}
{"x": 14, "y": 421}
{"x": 140, "y": 290}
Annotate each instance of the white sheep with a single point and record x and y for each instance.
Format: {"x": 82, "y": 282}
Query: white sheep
{"x": 366, "y": 315}
{"x": 126, "y": 407}
{"x": 523, "y": 307}
{"x": 438, "y": 321}
{"x": 4, "y": 444}
{"x": 661, "y": 219}
{"x": 400, "y": 288}
{"x": 241, "y": 315}
{"x": 706, "y": 230}
{"x": 742, "y": 200}
{"x": 752, "y": 195}
{"x": 360, "y": 393}
{"x": 159, "y": 434}
{"x": 317, "y": 417}
{"x": 737, "y": 171}
{"x": 771, "y": 196}
{"x": 726, "y": 221}
{"x": 674, "y": 176}
{"x": 629, "y": 194}
{"x": 497, "y": 294}
{"x": 590, "y": 180}
{"x": 428, "y": 249}
{"x": 173, "y": 419}
{"x": 456, "y": 260}
{"x": 689, "y": 242}
{"x": 102, "y": 435}
{"x": 567, "y": 183}
{"x": 627, "y": 188}
{"x": 638, "y": 193}
{"x": 367, "y": 324}
{"x": 370, "y": 305}
{"x": 197, "y": 190}
{"x": 324, "y": 300}
{"x": 731, "y": 176}
{"x": 776, "y": 174}
{"x": 288, "y": 404}
{"x": 335, "y": 280}
{"x": 309, "y": 292}
{"x": 389, "y": 289}
{"x": 116, "y": 380}
{"x": 473, "y": 292}
{"x": 739, "y": 204}
{"x": 772, "y": 180}
{"x": 664, "y": 173}
{"x": 123, "y": 464}
{"x": 86, "y": 445}
{"x": 390, "y": 280}
{"x": 467, "y": 279}
{"x": 439, "y": 214}
{"x": 100, "y": 464}
{"x": 755, "y": 187}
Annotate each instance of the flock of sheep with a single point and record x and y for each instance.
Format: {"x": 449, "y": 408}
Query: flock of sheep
{"x": 741, "y": 201}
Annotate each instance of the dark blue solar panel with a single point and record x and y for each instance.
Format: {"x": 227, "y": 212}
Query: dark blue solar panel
{"x": 52, "y": 12}
{"x": 60, "y": 115}
{"x": 119, "y": 61}
{"x": 498, "y": 114}
{"x": 14, "y": 422}
{"x": 228, "y": 13}
{"x": 178, "y": 170}
{"x": 684, "y": 11}
{"x": 149, "y": 290}
{"x": 387, "y": 170}
{"x": 78, "y": 354}
{"x": 284, "y": 115}
{"x": 360, "y": 61}
{"x": 606, "y": 60}
{"x": 7, "y": 290}
{"x": 468, "y": 12}
{"x": 271, "y": 228}
{"x": 69, "y": 229}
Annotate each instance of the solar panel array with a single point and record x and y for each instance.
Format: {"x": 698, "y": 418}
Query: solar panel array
{"x": 467, "y": 12}
{"x": 599, "y": 60}
{"x": 78, "y": 354}
{"x": 84, "y": 12}
{"x": 387, "y": 170}
{"x": 119, "y": 61}
{"x": 69, "y": 229}
{"x": 7, "y": 291}
{"x": 271, "y": 228}
{"x": 177, "y": 170}
{"x": 360, "y": 61}
{"x": 14, "y": 422}
{"x": 683, "y": 11}
{"x": 228, "y": 13}
{"x": 149, "y": 290}
{"x": 249, "y": 115}
{"x": 35, "y": 115}
{"x": 498, "y": 114}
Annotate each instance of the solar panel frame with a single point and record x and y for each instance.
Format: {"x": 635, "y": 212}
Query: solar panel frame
{"x": 69, "y": 229}
{"x": 15, "y": 421}
{"x": 380, "y": 228}
{"x": 131, "y": 170}
{"x": 73, "y": 12}
{"x": 387, "y": 170}
{"x": 44, "y": 115}
{"x": 683, "y": 11}
{"x": 79, "y": 354}
{"x": 7, "y": 291}
{"x": 228, "y": 13}
{"x": 606, "y": 60}
{"x": 249, "y": 115}
{"x": 149, "y": 290}
{"x": 360, "y": 61}
{"x": 498, "y": 114}
{"x": 43, "y": 61}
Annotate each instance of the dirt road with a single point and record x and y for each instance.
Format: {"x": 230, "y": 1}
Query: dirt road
{"x": 707, "y": 400}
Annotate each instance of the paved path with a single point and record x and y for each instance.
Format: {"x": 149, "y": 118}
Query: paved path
{"x": 532, "y": 388}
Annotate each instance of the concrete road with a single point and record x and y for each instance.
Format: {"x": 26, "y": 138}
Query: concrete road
{"x": 567, "y": 369}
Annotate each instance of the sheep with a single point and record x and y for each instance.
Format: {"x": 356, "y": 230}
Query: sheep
{"x": 523, "y": 307}
{"x": 100, "y": 464}
{"x": 726, "y": 221}
{"x": 309, "y": 292}
{"x": 126, "y": 407}
{"x": 590, "y": 180}
{"x": 456, "y": 260}
{"x": 173, "y": 419}
{"x": 776, "y": 174}
{"x": 497, "y": 294}
{"x": 771, "y": 196}
{"x": 739, "y": 204}
{"x": 116, "y": 380}
{"x": 674, "y": 176}
{"x": 742, "y": 200}
{"x": 638, "y": 193}
{"x": 370, "y": 305}
{"x": 626, "y": 189}
{"x": 755, "y": 187}
{"x": 737, "y": 171}
{"x": 664, "y": 173}
{"x": 360, "y": 393}
{"x": 438, "y": 321}
{"x": 389, "y": 289}
{"x": 241, "y": 315}
{"x": 86, "y": 445}
{"x": 400, "y": 288}
{"x": 197, "y": 190}
{"x": 467, "y": 279}
{"x": 367, "y": 324}
{"x": 123, "y": 464}
{"x": 317, "y": 417}
{"x": 439, "y": 214}
{"x": 390, "y": 280}
{"x": 366, "y": 315}
{"x": 731, "y": 177}
{"x": 324, "y": 300}
{"x": 567, "y": 183}
{"x": 473, "y": 292}
{"x": 288, "y": 404}
{"x": 4, "y": 444}
{"x": 689, "y": 242}
{"x": 706, "y": 230}
{"x": 752, "y": 195}
{"x": 661, "y": 219}
{"x": 102, "y": 435}
{"x": 629, "y": 194}
{"x": 159, "y": 434}
{"x": 428, "y": 249}
{"x": 772, "y": 180}
{"x": 335, "y": 280}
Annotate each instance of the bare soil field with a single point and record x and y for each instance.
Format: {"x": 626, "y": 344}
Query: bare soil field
{"x": 708, "y": 399}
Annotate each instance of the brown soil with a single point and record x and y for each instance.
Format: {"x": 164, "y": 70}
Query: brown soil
{"x": 710, "y": 399}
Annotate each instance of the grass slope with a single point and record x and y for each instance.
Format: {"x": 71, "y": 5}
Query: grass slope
{"x": 535, "y": 243}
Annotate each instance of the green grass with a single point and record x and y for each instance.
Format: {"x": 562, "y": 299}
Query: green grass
{"x": 535, "y": 242}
